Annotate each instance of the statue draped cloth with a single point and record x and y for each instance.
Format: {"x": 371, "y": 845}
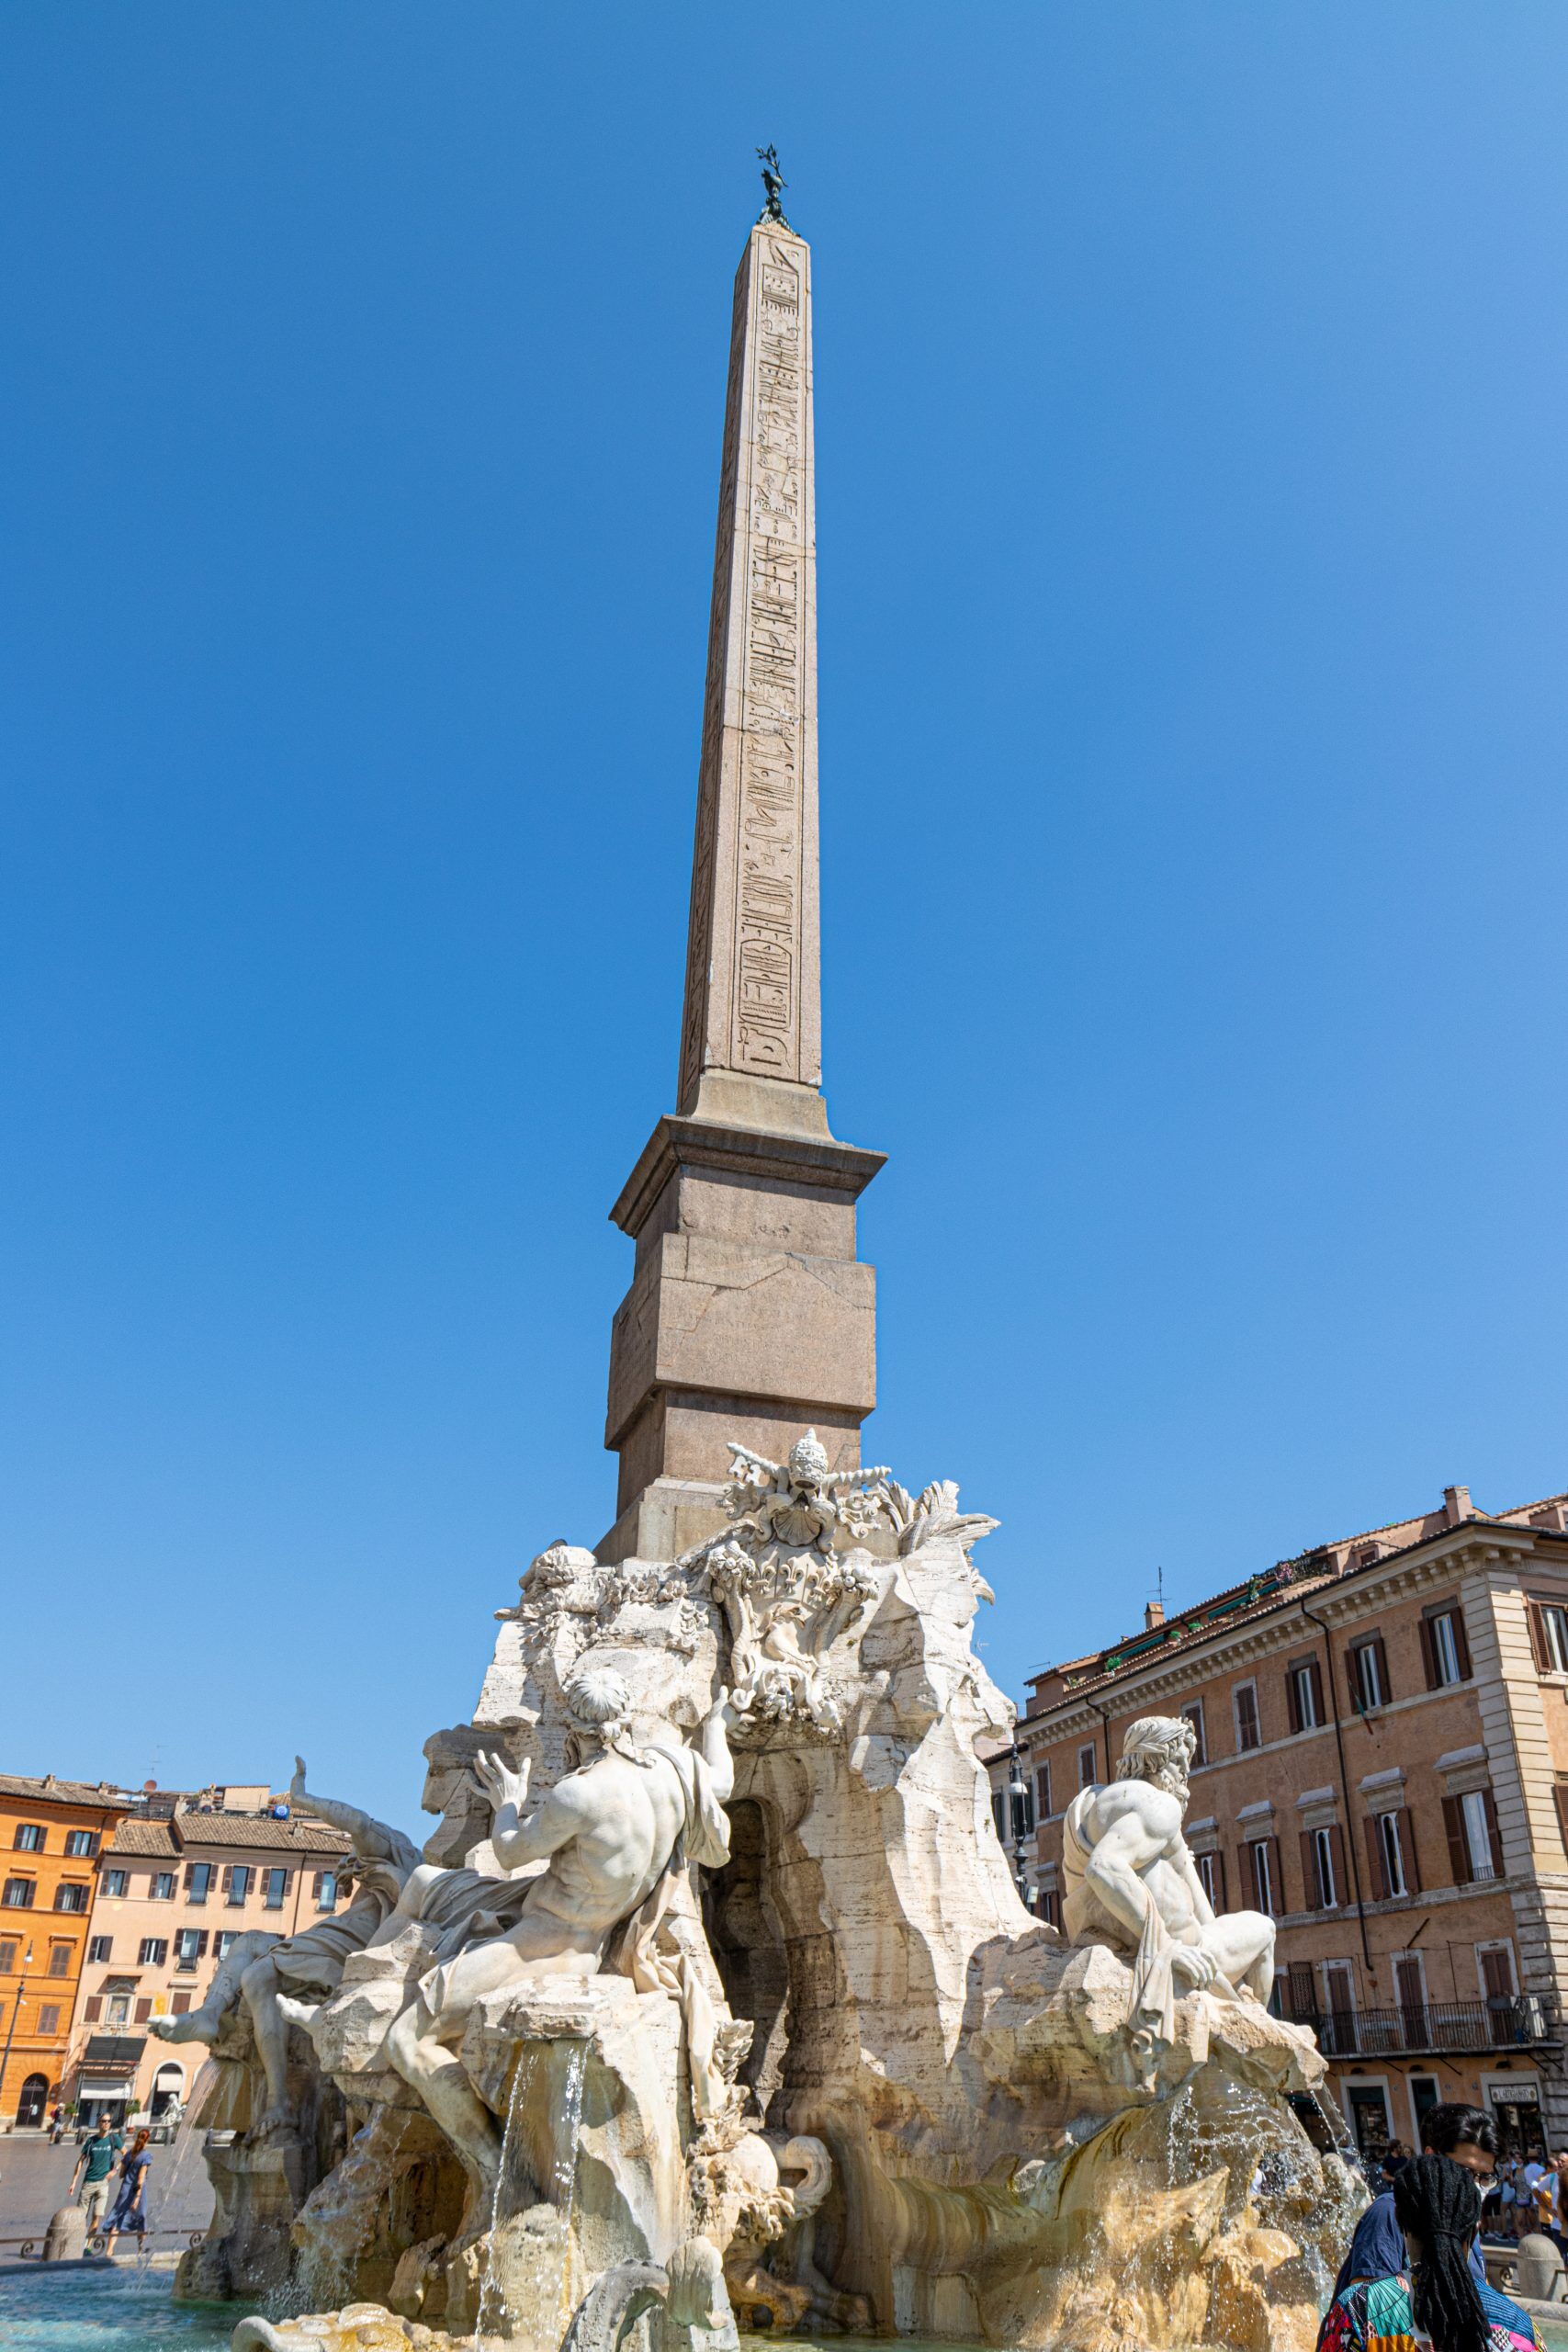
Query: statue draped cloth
{"x": 634, "y": 1946}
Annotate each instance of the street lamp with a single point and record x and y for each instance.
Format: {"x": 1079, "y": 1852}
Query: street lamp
{"x": 15, "y": 2008}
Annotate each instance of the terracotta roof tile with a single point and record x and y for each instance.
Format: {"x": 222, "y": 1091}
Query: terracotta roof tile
{"x": 145, "y": 1838}
{"x": 258, "y": 1829}
{"x": 51, "y": 1790}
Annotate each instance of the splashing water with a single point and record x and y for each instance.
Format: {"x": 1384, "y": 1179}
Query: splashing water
{"x": 491, "y": 2307}
{"x": 563, "y": 2184}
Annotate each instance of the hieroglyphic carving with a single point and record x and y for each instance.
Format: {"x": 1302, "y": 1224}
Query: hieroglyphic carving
{"x": 751, "y": 955}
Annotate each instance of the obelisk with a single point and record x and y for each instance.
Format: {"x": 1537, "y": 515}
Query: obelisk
{"x": 748, "y": 1315}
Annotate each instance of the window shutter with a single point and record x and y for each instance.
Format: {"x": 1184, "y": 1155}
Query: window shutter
{"x": 180, "y": 2004}
{"x": 1249, "y": 1876}
{"x": 1428, "y": 1654}
{"x": 1374, "y": 1856}
{"x": 1493, "y": 1835}
{"x": 1220, "y": 1898}
{"x": 1310, "y": 1879}
{"x": 190, "y": 1876}
{"x": 1341, "y": 1875}
{"x": 1407, "y": 1847}
{"x": 1292, "y": 1704}
{"x": 1538, "y": 1635}
{"x": 1303, "y": 2003}
{"x": 228, "y": 1878}
{"x": 287, "y": 1882}
{"x": 1461, "y": 1644}
{"x": 1319, "y": 1710}
{"x": 1560, "y": 1792}
{"x": 95, "y": 2008}
{"x": 143, "y": 2012}
{"x": 201, "y": 1943}
{"x": 1353, "y": 1680}
{"x": 1277, "y": 1872}
{"x": 1458, "y": 1850}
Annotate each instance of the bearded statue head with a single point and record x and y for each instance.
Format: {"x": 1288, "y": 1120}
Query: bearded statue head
{"x": 1158, "y": 1748}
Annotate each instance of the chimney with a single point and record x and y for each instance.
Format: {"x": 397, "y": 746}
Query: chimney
{"x": 1154, "y": 1614}
{"x": 1457, "y": 1505}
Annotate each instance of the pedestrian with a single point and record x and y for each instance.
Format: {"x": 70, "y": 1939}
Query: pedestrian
{"x": 56, "y": 2125}
{"x": 1435, "y": 2298}
{"x": 128, "y": 2211}
{"x": 95, "y": 2162}
{"x": 1465, "y": 2134}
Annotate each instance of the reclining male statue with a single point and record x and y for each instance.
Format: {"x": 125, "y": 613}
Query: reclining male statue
{"x": 258, "y": 1967}
{"x": 1131, "y": 1883}
{"x": 614, "y": 1833}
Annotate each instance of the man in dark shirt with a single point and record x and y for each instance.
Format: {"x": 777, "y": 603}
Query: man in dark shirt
{"x": 95, "y": 2162}
{"x": 1467, "y": 2136}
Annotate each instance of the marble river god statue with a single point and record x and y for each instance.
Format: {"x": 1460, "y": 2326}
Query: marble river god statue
{"x": 712, "y": 2001}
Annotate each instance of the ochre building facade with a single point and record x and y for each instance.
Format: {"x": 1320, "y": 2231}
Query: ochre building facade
{"x": 1382, "y": 1765}
{"x": 52, "y": 1834}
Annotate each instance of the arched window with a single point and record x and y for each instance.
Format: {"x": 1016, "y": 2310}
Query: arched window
{"x": 30, "y": 2105}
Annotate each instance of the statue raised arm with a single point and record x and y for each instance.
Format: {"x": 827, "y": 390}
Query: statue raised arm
{"x": 372, "y": 1840}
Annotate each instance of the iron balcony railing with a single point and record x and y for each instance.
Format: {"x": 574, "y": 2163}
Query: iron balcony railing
{"x": 1434, "y": 2026}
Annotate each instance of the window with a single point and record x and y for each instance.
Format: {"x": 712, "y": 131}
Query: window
{"x": 1042, "y": 1800}
{"x": 1000, "y": 1812}
{"x": 1326, "y": 1882}
{"x": 1368, "y": 1676}
{"x": 1304, "y": 1695}
{"x": 153, "y": 1951}
{"x": 1193, "y": 1714}
{"x": 7, "y": 1958}
{"x": 18, "y": 1895}
{"x": 1086, "y": 1765}
{"x": 1392, "y": 1842}
{"x": 114, "y": 1883}
{"x": 1548, "y": 1635}
{"x": 237, "y": 1881}
{"x": 119, "y": 2007}
{"x": 1247, "y": 1734}
{"x": 1478, "y": 1835}
{"x": 1410, "y": 1992}
{"x": 274, "y": 1886}
{"x": 49, "y": 2018}
{"x": 190, "y": 1946}
{"x": 198, "y": 1881}
{"x": 1445, "y": 1653}
{"x": 223, "y": 1938}
{"x": 1212, "y": 1879}
{"x": 161, "y": 1886}
{"x": 1049, "y": 1904}
{"x": 1263, "y": 1860}
{"x": 60, "y": 1959}
{"x": 70, "y": 1896}
{"x": 29, "y": 1838}
{"x": 101, "y": 1948}
{"x": 81, "y": 1842}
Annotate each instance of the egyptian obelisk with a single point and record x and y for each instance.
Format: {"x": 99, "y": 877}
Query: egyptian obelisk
{"x": 748, "y": 1315}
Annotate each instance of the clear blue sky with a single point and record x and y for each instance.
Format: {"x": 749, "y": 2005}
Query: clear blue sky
{"x": 1193, "y": 534}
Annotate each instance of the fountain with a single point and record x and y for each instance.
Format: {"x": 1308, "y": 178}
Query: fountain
{"x": 742, "y": 2018}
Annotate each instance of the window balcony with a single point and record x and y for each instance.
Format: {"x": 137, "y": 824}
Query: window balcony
{"x": 1429, "y": 2027}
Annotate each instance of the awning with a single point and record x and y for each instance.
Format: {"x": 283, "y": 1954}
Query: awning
{"x": 112, "y": 2053}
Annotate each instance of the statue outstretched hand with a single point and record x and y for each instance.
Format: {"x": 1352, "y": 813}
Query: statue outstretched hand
{"x": 499, "y": 1784}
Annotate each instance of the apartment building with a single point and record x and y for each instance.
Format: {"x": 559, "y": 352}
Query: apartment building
{"x": 52, "y": 1837}
{"x": 182, "y": 1876}
{"x": 1382, "y": 1729}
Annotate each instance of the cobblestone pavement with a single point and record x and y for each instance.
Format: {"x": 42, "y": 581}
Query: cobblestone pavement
{"x": 36, "y": 2177}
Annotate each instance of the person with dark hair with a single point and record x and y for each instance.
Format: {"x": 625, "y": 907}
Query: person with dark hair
{"x": 1468, "y": 2136}
{"x": 129, "y": 2211}
{"x": 1435, "y": 2298}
